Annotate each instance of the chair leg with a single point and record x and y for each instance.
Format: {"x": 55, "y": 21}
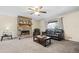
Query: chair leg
{"x": 45, "y": 43}
{"x": 11, "y": 37}
{"x": 1, "y": 38}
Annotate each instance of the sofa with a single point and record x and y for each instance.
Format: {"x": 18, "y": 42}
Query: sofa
{"x": 57, "y": 34}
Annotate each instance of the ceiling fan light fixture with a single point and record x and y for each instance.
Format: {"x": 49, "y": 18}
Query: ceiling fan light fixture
{"x": 37, "y": 10}
{"x": 36, "y": 13}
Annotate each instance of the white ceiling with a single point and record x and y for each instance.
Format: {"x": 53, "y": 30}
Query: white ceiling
{"x": 52, "y": 11}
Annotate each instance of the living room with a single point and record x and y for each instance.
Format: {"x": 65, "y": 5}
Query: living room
{"x": 18, "y": 20}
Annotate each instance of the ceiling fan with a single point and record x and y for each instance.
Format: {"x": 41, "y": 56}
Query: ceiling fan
{"x": 36, "y": 10}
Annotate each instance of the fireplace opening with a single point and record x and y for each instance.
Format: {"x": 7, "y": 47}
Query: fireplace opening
{"x": 25, "y": 32}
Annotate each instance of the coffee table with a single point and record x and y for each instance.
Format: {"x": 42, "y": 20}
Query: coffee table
{"x": 43, "y": 40}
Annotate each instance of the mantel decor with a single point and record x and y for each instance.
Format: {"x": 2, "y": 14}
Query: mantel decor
{"x": 24, "y": 21}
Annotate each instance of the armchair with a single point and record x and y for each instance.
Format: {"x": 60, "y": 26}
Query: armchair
{"x": 36, "y": 32}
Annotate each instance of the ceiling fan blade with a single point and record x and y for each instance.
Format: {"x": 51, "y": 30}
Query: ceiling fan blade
{"x": 42, "y": 11}
{"x": 31, "y": 13}
{"x": 30, "y": 9}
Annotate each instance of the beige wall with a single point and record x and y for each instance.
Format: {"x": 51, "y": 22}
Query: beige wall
{"x": 35, "y": 24}
{"x": 9, "y": 22}
{"x": 43, "y": 25}
{"x": 71, "y": 26}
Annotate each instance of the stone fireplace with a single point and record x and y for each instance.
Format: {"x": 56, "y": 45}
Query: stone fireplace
{"x": 24, "y": 26}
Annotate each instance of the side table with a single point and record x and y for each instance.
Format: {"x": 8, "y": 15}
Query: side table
{"x": 6, "y": 35}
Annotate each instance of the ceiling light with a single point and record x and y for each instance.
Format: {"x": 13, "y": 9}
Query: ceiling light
{"x": 36, "y": 13}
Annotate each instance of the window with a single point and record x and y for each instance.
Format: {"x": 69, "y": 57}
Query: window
{"x": 52, "y": 25}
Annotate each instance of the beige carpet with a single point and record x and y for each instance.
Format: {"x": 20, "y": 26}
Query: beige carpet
{"x": 27, "y": 45}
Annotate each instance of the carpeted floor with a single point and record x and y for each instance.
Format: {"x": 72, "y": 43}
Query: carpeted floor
{"x": 27, "y": 45}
